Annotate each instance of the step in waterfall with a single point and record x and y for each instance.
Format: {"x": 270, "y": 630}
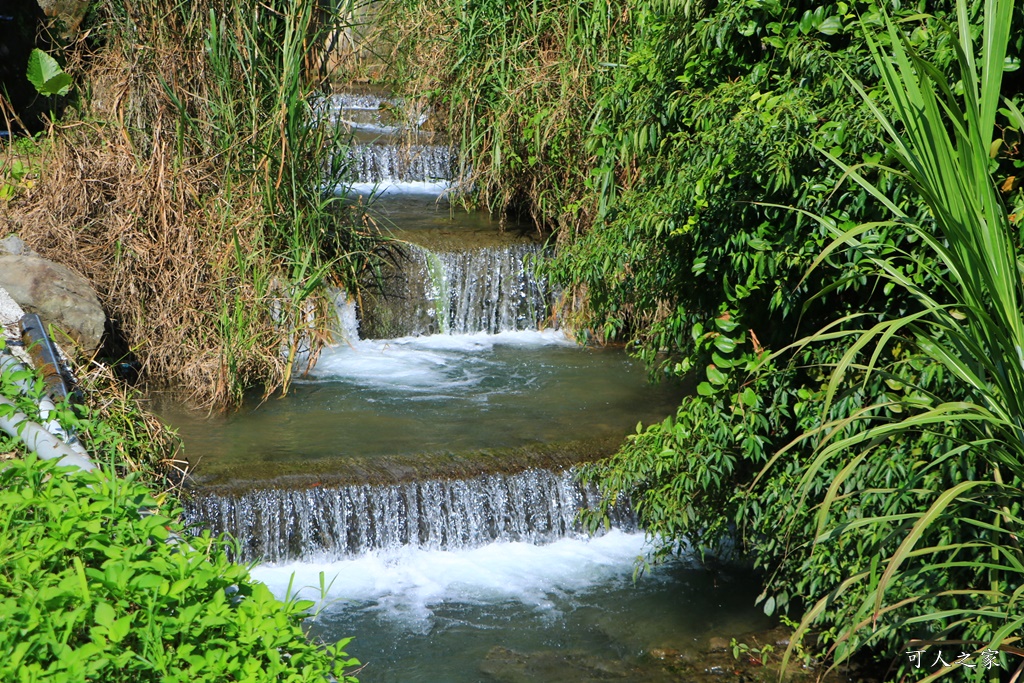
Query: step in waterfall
{"x": 324, "y": 523}
{"x": 491, "y": 289}
{"x": 431, "y": 341}
{"x": 392, "y": 164}
{"x": 389, "y": 151}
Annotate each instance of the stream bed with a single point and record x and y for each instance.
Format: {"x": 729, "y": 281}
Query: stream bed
{"x": 420, "y": 483}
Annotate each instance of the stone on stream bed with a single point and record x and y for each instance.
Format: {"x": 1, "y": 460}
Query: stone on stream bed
{"x": 715, "y": 662}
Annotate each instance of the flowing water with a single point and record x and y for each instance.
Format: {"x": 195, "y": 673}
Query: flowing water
{"x": 420, "y": 483}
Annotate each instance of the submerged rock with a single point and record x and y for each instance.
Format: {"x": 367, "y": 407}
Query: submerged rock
{"x": 509, "y": 666}
{"x": 60, "y": 296}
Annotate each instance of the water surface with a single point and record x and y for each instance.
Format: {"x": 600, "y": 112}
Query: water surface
{"x": 564, "y": 612}
{"x": 433, "y": 395}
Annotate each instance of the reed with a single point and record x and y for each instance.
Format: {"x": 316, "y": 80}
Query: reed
{"x": 956, "y": 572}
{"x": 195, "y": 188}
{"x": 513, "y": 85}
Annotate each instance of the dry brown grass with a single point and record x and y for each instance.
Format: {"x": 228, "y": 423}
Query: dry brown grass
{"x": 173, "y": 193}
{"x": 149, "y": 240}
{"x": 126, "y": 430}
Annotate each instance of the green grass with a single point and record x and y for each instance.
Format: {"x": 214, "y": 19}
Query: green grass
{"x": 958, "y": 571}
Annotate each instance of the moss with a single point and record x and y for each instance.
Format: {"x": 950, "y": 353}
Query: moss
{"x": 401, "y": 468}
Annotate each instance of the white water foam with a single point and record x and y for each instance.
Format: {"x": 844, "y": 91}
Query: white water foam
{"x": 382, "y": 129}
{"x": 406, "y": 584}
{"x": 434, "y": 188}
{"x": 439, "y": 361}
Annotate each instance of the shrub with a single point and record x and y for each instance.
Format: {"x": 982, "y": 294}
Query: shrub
{"x": 97, "y": 582}
{"x": 96, "y": 585}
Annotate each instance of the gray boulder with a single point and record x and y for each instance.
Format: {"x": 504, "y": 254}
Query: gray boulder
{"x": 60, "y": 296}
{"x": 69, "y": 12}
{"x": 12, "y": 244}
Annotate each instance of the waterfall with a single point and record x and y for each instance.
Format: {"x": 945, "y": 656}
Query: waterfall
{"x": 345, "y": 328}
{"x": 398, "y": 163}
{"x": 493, "y": 289}
{"x": 277, "y": 525}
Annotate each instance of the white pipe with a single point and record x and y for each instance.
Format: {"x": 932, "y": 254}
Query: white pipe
{"x": 38, "y": 440}
{"x": 10, "y": 364}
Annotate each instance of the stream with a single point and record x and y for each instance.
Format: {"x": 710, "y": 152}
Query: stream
{"x": 419, "y": 485}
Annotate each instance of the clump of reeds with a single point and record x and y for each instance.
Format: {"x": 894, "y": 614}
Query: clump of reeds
{"x": 513, "y": 85}
{"x": 194, "y": 188}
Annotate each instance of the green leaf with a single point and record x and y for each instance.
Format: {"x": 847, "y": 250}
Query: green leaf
{"x": 104, "y": 614}
{"x": 716, "y": 376}
{"x": 46, "y": 75}
{"x": 726, "y": 324}
{"x": 120, "y": 628}
{"x": 749, "y": 398}
{"x": 725, "y": 344}
{"x": 830, "y": 26}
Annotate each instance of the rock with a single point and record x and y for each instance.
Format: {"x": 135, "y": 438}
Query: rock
{"x": 509, "y": 666}
{"x": 10, "y": 315}
{"x": 12, "y": 244}
{"x": 717, "y": 644}
{"x": 69, "y": 12}
{"x": 60, "y": 296}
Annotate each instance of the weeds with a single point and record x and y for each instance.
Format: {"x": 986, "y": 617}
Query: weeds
{"x": 513, "y": 86}
{"x": 190, "y": 187}
{"x": 96, "y": 581}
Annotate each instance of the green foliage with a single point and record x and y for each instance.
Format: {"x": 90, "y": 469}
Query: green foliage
{"x": 691, "y": 133}
{"x": 961, "y": 539}
{"x": 46, "y": 75}
{"x": 13, "y": 177}
{"x": 514, "y": 83}
{"x": 97, "y": 581}
{"x": 822, "y": 520}
{"x": 93, "y": 589}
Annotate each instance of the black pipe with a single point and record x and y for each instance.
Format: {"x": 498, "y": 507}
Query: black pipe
{"x": 44, "y": 356}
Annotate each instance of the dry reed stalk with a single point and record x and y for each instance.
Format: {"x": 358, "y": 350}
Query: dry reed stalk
{"x": 174, "y": 231}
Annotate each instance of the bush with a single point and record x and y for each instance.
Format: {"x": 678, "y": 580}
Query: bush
{"x": 92, "y": 587}
{"x": 97, "y": 582}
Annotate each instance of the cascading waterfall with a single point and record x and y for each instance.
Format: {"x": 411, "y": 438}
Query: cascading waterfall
{"x": 487, "y": 290}
{"x": 389, "y": 152}
{"x": 493, "y": 289}
{"x": 277, "y": 525}
{"x": 419, "y": 482}
{"x": 397, "y": 163}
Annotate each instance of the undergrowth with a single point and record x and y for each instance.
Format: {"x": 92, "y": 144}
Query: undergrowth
{"x": 99, "y": 581}
{"x": 192, "y": 184}
{"x": 512, "y": 85}
{"x": 681, "y": 150}
{"x": 93, "y": 589}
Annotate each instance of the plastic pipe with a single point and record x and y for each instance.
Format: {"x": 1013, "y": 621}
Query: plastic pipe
{"x": 44, "y": 354}
{"x": 10, "y": 364}
{"x": 38, "y": 440}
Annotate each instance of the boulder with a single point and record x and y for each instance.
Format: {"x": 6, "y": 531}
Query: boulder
{"x": 69, "y": 12}
{"x": 61, "y": 297}
{"x": 12, "y": 244}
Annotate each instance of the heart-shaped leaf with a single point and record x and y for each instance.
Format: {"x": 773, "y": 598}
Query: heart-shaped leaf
{"x": 46, "y": 75}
